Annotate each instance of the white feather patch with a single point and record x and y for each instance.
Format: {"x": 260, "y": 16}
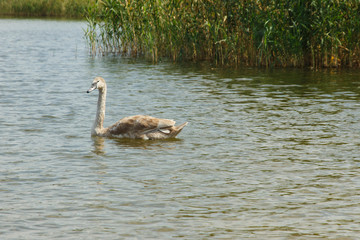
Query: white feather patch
{"x": 163, "y": 123}
{"x": 166, "y": 131}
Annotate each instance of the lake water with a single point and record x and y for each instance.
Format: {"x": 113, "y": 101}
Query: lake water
{"x": 266, "y": 155}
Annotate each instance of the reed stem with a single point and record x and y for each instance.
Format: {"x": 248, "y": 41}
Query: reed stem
{"x": 271, "y": 33}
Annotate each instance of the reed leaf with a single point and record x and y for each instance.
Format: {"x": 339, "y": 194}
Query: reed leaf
{"x": 271, "y": 33}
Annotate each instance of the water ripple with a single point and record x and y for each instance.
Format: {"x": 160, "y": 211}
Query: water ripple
{"x": 268, "y": 154}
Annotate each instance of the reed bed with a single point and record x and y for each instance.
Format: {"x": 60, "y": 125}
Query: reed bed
{"x": 271, "y": 33}
{"x": 44, "y": 8}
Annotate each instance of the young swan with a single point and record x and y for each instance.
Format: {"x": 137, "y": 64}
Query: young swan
{"x": 139, "y": 126}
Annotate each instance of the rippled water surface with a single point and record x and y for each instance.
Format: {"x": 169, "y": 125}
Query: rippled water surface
{"x": 266, "y": 155}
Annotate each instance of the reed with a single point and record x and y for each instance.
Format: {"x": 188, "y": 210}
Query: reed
{"x": 297, "y": 33}
{"x": 44, "y": 8}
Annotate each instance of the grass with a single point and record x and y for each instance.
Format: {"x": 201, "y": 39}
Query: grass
{"x": 270, "y": 33}
{"x": 44, "y": 8}
{"x": 295, "y": 33}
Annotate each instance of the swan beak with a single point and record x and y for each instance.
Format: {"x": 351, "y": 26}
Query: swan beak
{"x": 93, "y": 87}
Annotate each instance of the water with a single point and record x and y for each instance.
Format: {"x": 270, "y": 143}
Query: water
{"x": 266, "y": 154}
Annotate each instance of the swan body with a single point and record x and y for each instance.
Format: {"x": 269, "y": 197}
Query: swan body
{"x": 139, "y": 126}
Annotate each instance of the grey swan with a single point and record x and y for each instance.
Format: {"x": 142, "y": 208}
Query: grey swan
{"x": 135, "y": 127}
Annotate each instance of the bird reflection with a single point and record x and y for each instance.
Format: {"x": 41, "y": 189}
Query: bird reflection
{"x": 99, "y": 143}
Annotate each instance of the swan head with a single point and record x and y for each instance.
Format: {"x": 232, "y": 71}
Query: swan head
{"x": 98, "y": 83}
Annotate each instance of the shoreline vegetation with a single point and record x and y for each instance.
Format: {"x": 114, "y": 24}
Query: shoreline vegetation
{"x": 265, "y": 33}
{"x": 269, "y": 33}
{"x": 44, "y": 8}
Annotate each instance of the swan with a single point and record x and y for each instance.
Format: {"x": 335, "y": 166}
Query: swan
{"x": 139, "y": 126}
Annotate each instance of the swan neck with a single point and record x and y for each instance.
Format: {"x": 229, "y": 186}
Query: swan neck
{"x": 100, "y": 114}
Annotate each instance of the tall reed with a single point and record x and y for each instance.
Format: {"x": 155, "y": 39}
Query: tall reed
{"x": 300, "y": 33}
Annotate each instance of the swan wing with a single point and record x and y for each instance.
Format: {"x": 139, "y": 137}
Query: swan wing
{"x": 137, "y": 126}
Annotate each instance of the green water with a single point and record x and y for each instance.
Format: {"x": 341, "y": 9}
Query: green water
{"x": 267, "y": 154}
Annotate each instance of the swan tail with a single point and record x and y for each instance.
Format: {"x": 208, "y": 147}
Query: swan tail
{"x": 163, "y": 133}
{"x": 177, "y": 129}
